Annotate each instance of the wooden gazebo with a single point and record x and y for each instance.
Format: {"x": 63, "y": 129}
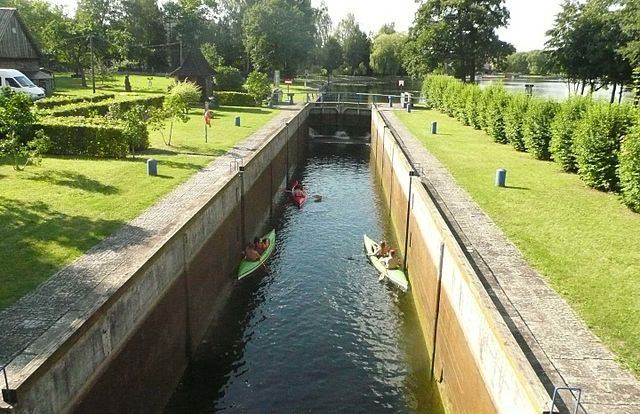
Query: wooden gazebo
{"x": 196, "y": 69}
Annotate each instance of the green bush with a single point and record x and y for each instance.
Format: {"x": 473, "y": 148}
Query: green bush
{"x": 228, "y": 78}
{"x": 461, "y": 104}
{"x": 89, "y": 109}
{"x": 92, "y": 137}
{"x": 629, "y": 170}
{"x": 514, "y": 120}
{"x": 494, "y": 113}
{"x": 451, "y": 95}
{"x": 16, "y": 116}
{"x": 258, "y": 86}
{"x": 233, "y": 99}
{"x": 563, "y": 129}
{"x": 485, "y": 102}
{"x": 597, "y": 143}
{"x": 472, "y": 106}
{"x": 537, "y": 127}
{"x": 48, "y": 103}
{"x": 434, "y": 90}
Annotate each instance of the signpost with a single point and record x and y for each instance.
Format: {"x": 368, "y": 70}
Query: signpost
{"x": 288, "y": 82}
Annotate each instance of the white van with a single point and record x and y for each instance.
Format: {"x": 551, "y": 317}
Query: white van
{"x": 17, "y": 81}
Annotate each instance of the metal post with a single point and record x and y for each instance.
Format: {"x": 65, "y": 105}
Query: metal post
{"x": 437, "y": 316}
{"x": 8, "y": 395}
{"x": 242, "y": 207}
{"x": 93, "y": 70}
{"x": 181, "y": 61}
{"x": 406, "y": 230}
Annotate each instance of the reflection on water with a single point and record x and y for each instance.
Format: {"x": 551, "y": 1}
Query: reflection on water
{"x": 316, "y": 331}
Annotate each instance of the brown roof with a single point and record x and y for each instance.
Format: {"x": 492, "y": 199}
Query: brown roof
{"x": 194, "y": 66}
{"x": 6, "y": 15}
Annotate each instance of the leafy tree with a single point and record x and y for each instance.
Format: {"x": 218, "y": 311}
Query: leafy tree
{"x": 228, "y": 78}
{"x": 175, "y": 107}
{"x": 386, "y": 53}
{"x": 540, "y": 63}
{"x": 142, "y": 20}
{"x": 210, "y": 53}
{"x": 458, "y": 34}
{"x": 258, "y": 86}
{"x": 331, "y": 56}
{"x": 517, "y": 63}
{"x": 134, "y": 123}
{"x": 270, "y": 43}
{"x": 356, "y": 46}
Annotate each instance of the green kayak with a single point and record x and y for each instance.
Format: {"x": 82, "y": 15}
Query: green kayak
{"x": 247, "y": 267}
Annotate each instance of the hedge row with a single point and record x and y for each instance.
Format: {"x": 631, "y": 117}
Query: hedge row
{"x": 90, "y": 109}
{"x": 91, "y": 137}
{"x": 48, "y": 103}
{"x": 228, "y": 98}
{"x": 599, "y": 141}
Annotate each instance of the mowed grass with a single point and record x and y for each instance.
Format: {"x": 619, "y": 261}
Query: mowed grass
{"x": 66, "y": 85}
{"x": 221, "y": 136}
{"x": 585, "y": 242}
{"x": 53, "y": 213}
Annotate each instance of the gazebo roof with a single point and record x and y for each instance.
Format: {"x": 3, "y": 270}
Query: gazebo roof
{"x": 194, "y": 66}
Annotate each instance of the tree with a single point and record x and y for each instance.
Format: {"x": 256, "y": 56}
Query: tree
{"x": 460, "y": 35}
{"x": 517, "y": 63}
{"x": 585, "y": 43}
{"x": 386, "y": 53}
{"x": 274, "y": 45}
{"x": 175, "y": 107}
{"x": 356, "y": 46}
{"x": 143, "y": 21}
{"x": 331, "y": 56}
{"x": 258, "y": 86}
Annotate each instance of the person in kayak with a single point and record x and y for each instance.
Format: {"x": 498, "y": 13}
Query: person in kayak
{"x": 250, "y": 253}
{"x": 261, "y": 245}
{"x": 391, "y": 261}
{"x": 383, "y": 250}
{"x": 298, "y": 191}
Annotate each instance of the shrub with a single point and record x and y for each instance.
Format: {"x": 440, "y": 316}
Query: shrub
{"x": 630, "y": 169}
{"x": 494, "y": 114}
{"x": 472, "y": 106}
{"x": 597, "y": 144}
{"x": 514, "y": 120}
{"x": 537, "y": 127}
{"x": 233, "y": 99}
{"x": 258, "y": 86}
{"x": 16, "y": 118}
{"x": 134, "y": 125}
{"x": 434, "y": 89}
{"x": 228, "y": 78}
{"x": 485, "y": 102}
{"x": 563, "y": 129}
{"x": 48, "y": 103}
{"x": 452, "y": 95}
{"x": 89, "y": 109}
{"x": 175, "y": 107}
{"x": 94, "y": 137}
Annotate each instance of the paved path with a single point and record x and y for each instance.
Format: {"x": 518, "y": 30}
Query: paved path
{"x": 31, "y": 328}
{"x": 561, "y": 348}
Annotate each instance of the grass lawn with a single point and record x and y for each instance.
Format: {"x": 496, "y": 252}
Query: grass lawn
{"x": 66, "y": 85}
{"x": 585, "y": 242}
{"x": 53, "y": 213}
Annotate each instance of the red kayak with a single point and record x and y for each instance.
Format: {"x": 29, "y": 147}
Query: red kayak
{"x": 298, "y": 199}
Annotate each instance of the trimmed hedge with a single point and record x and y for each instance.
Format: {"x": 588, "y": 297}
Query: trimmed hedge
{"x": 227, "y": 98}
{"x": 563, "y": 129}
{"x": 630, "y": 169}
{"x": 495, "y": 111}
{"x": 48, "y": 103}
{"x": 89, "y": 109}
{"x": 597, "y": 144}
{"x": 537, "y": 127}
{"x": 94, "y": 137}
{"x": 472, "y": 106}
{"x": 514, "y": 120}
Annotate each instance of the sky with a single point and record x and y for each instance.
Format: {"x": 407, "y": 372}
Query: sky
{"x": 526, "y": 31}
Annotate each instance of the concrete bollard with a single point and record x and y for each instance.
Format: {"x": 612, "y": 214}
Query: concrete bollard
{"x": 390, "y": 101}
{"x": 409, "y": 107}
{"x": 501, "y": 178}
{"x": 434, "y": 127}
{"x": 152, "y": 167}
{"x": 237, "y": 121}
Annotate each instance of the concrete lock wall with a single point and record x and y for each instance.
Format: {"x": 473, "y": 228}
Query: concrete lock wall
{"x": 476, "y": 362}
{"x": 128, "y": 353}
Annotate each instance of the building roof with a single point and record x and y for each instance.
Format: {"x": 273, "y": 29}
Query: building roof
{"x": 194, "y": 66}
{"x": 6, "y": 16}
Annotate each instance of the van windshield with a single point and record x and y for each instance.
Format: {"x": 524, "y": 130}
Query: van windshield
{"x": 24, "y": 81}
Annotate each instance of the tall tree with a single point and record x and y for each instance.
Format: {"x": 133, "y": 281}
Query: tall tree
{"x": 458, "y": 34}
{"x": 386, "y": 53}
{"x": 356, "y": 46}
{"x": 331, "y": 56}
{"x": 273, "y": 44}
{"x": 143, "y": 20}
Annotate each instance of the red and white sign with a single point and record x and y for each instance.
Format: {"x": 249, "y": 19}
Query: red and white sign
{"x": 288, "y": 82}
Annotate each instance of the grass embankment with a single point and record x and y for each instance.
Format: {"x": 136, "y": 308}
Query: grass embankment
{"x": 585, "y": 242}
{"x": 52, "y": 214}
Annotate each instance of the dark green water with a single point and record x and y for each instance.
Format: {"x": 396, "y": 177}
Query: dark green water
{"x": 316, "y": 331}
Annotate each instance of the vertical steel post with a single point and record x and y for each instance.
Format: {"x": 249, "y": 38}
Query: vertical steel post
{"x": 406, "y": 230}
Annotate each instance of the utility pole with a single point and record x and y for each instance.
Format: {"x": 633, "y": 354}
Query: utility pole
{"x": 181, "y": 61}
{"x": 93, "y": 70}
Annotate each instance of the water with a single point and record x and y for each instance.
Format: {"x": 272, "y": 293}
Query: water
{"x": 316, "y": 331}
